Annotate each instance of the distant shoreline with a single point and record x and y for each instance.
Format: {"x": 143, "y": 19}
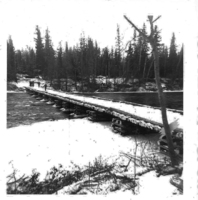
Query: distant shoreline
{"x": 176, "y": 91}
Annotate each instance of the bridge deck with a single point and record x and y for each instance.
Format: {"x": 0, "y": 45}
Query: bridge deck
{"x": 146, "y": 116}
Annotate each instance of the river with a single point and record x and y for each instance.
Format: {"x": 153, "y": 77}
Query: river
{"x": 174, "y": 100}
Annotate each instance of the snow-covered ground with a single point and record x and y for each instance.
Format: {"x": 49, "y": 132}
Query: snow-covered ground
{"x": 46, "y": 144}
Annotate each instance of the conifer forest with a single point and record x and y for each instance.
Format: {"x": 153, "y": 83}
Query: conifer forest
{"x": 85, "y": 61}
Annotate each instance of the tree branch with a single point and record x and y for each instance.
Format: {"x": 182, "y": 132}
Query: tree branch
{"x": 156, "y": 18}
{"x": 133, "y": 25}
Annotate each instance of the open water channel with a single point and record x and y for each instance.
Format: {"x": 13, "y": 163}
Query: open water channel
{"x": 174, "y": 100}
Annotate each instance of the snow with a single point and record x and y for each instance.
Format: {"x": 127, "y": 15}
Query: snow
{"x": 150, "y": 184}
{"x": 46, "y": 144}
{"x": 148, "y": 112}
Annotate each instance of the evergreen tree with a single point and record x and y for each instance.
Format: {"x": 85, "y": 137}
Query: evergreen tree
{"x": 135, "y": 67}
{"x": 66, "y": 64}
{"x": 90, "y": 58}
{"x": 60, "y": 70}
{"x": 97, "y": 59}
{"x": 49, "y": 57}
{"x": 172, "y": 60}
{"x": 82, "y": 54}
{"x": 11, "y": 68}
{"x": 32, "y": 60}
{"x": 74, "y": 62}
{"x": 40, "y": 60}
{"x": 18, "y": 61}
{"x": 118, "y": 53}
{"x": 180, "y": 64}
{"x": 129, "y": 62}
{"x": 105, "y": 62}
{"x": 163, "y": 59}
{"x": 142, "y": 49}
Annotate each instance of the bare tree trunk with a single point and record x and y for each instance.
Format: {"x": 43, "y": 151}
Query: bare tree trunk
{"x": 152, "y": 39}
{"x": 139, "y": 63}
{"x": 149, "y": 69}
{"x": 163, "y": 107}
{"x": 144, "y": 68}
{"x": 66, "y": 83}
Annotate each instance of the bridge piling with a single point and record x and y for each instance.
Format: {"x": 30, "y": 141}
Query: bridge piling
{"x": 58, "y": 103}
{"x": 127, "y": 128}
{"x": 45, "y": 98}
{"x": 50, "y": 101}
{"x": 98, "y": 116}
{"x": 67, "y": 107}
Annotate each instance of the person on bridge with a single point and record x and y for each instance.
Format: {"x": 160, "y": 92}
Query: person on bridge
{"x": 45, "y": 86}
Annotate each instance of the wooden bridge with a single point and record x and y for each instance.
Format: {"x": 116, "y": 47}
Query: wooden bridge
{"x": 141, "y": 115}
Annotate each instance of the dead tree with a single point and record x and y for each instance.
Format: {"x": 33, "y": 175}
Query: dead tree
{"x": 152, "y": 39}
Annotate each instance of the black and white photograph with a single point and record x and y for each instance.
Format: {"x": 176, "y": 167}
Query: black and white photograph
{"x": 95, "y": 100}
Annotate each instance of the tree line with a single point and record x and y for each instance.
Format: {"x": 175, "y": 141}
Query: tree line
{"x": 86, "y": 60}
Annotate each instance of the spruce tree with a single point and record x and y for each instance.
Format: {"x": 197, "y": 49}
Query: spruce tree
{"x": 172, "y": 60}
{"x": 49, "y": 56}
{"x": 129, "y": 62}
{"x": 66, "y": 64}
{"x": 60, "y": 73}
{"x": 118, "y": 53}
{"x": 32, "y": 60}
{"x": 90, "y": 58}
{"x": 135, "y": 47}
{"x": 11, "y": 68}
{"x": 40, "y": 60}
{"x": 180, "y": 64}
{"x": 18, "y": 61}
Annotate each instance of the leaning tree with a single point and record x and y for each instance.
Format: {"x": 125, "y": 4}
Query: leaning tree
{"x": 153, "y": 39}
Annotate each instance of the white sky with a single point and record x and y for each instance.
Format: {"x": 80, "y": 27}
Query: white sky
{"x": 66, "y": 19}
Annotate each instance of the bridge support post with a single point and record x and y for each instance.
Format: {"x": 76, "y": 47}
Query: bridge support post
{"x": 67, "y": 107}
{"x": 127, "y": 128}
{"x": 177, "y": 138}
{"x": 58, "y": 103}
{"x": 30, "y": 92}
{"x": 39, "y": 96}
{"x": 80, "y": 110}
{"x": 123, "y": 127}
{"x": 51, "y": 101}
{"x": 98, "y": 116}
{"x": 45, "y": 98}
{"x": 33, "y": 94}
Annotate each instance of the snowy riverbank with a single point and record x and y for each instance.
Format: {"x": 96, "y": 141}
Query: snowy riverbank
{"x": 46, "y": 144}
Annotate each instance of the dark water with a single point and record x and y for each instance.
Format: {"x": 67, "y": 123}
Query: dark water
{"x": 23, "y": 109}
{"x": 174, "y": 100}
